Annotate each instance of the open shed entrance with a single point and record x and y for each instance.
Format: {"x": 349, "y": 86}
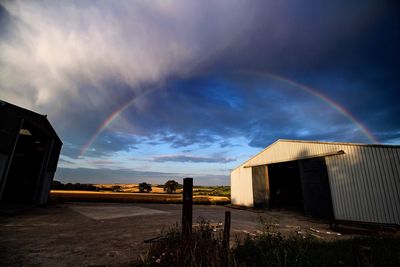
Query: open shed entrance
{"x": 27, "y": 162}
{"x": 285, "y": 186}
{"x": 301, "y": 185}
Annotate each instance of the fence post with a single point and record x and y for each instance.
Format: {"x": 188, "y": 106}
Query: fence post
{"x": 227, "y": 229}
{"x": 187, "y": 208}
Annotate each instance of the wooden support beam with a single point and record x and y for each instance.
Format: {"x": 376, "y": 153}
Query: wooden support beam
{"x": 227, "y": 229}
{"x": 187, "y": 208}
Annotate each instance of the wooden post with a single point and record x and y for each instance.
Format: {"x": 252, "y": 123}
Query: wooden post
{"x": 187, "y": 208}
{"x": 227, "y": 229}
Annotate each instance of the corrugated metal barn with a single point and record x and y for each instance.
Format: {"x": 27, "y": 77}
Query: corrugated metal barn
{"x": 29, "y": 151}
{"x": 336, "y": 181}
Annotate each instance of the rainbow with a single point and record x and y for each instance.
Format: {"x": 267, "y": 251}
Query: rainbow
{"x": 115, "y": 114}
{"x": 269, "y": 75}
{"x": 323, "y": 98}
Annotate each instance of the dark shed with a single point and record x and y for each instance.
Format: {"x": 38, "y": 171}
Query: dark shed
{"x": 29, "y": 152}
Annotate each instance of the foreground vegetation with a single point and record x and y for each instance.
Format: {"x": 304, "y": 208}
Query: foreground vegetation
{"x": 270, "y": 249}
{"x": 223, "y": 191}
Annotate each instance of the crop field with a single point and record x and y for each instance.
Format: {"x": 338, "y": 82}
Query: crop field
{"x": 108, "y": 196}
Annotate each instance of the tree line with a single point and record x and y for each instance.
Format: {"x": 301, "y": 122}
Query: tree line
{"x": 169, "y": 187}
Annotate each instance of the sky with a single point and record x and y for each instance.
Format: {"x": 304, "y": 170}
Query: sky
{"x": 146, "y": 91}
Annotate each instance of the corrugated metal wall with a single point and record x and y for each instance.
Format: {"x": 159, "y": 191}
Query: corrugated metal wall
{"x": 364, "y": 182}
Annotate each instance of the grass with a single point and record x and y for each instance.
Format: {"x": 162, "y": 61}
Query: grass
{"x": 224, "y": 191}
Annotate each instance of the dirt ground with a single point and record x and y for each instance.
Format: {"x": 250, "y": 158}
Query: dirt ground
{"x": 86, "y": 234}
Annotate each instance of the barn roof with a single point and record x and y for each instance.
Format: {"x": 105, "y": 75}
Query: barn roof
{"x": 39, "y": 121}
{"x": 317, "y": 142}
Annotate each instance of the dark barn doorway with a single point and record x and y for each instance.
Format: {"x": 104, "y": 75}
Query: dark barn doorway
{"x": 29, "y": 152}
{"x": 285, "y": 186}
{"x": 26, "y": 166}
{"x": 316, "y": 189}
{"x": 260, "y": 186}
{"x": 301, "y": 185}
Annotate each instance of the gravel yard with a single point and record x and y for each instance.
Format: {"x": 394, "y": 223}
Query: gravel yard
{"x": 82, "y": 234}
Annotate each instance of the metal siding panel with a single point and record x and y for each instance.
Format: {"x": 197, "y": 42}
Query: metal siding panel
{"x": 366, "y": 209}
{"x": 393, "y": 187}
{"x": 396, "y": 165}
{"x": 386, "y": 169}
{"x": 351, "y": 189}
{"x": 384, "y": 212}
{"x": 373, "y": 174}
{"x": 385, "y": 161}
{"x": 334, "y": 175}
{"x": 241, "y": 188}
{"x": 330, "y": 165}
{"x": 368, "y": 205}
{"x": 357, "y": 193}
{"x": 246, "y": 187}
{"x": 386, "y": 181}
{"x": 396, "y": 181}
{"x": 333, "y": 172}
{"x": 234, "y": 187}
{"x": 344, "y": 187}
{"x": 341, "y": 186}
{"x": 355, "y": 213}
{"x": 369, "y": 188}
{"x": 343, "y": 174}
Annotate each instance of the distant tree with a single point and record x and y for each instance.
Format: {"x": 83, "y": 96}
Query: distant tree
{"x": 145, "y": 187}
{"x": 57, "y": 185}
{"x": 170, "y": 186}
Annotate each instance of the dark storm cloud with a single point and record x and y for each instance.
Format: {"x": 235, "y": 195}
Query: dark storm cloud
{"x": 188, "y": 55}
{"x": 112, "y": 142}
{"x": 193, "y": 112}
{"x": 196, "y": 159}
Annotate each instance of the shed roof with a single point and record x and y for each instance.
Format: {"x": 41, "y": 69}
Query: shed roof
{"x": 38, "y": 120}
{"x": 317, "y": 142}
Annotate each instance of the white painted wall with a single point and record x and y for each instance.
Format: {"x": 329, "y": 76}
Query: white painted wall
{"x": 241, "y": 187}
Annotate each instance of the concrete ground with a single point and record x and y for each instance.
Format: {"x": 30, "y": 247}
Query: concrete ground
{"x": 84, "y": 234}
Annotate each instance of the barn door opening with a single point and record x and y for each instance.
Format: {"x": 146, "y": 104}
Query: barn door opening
{"x": 316, "y": 190}
{"x": 260, "y": 186}
{"x": 26, "y": 165}
{"x": 285, "y": 186}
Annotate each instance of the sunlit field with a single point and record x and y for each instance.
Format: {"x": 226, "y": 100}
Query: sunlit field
{"x": 130, "y": 193}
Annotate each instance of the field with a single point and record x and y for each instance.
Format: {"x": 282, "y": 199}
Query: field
{"x": 91, "y": 196}
{"x": 130, "y": 193}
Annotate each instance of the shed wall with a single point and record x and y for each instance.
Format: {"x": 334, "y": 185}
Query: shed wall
{"x": 364, "y": 182}
{"x": 241, "y": 187}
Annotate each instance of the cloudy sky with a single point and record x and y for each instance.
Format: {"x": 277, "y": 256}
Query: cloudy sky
{"x": 153, "y": 90}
